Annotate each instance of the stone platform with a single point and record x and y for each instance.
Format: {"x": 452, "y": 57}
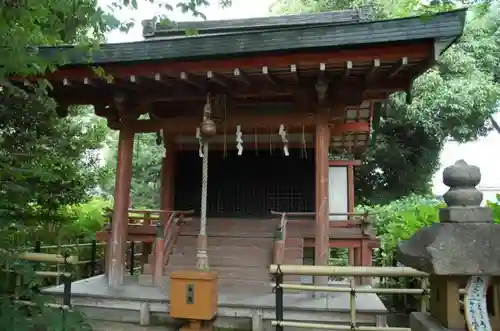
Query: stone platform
{"x": 132, "y": 305}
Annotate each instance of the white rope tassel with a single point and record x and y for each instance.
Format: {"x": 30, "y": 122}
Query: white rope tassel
{"x": 239, "y": 140}
{"x": 284, "y": 139}
{"x": 202, "y": 256}
{"x": 200, "y": 141}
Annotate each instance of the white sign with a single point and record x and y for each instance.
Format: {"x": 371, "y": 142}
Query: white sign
{"x": 476, "y": 310}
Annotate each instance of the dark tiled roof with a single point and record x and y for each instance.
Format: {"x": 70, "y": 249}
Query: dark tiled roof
{"x": 151, "y": 29}
{"x": 306, "y": 37}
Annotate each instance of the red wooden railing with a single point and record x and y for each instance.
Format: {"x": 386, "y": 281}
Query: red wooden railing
{"x": 148, "y": 226}
{"x": 166, "y": 238}
{"x": 352, "y": 220}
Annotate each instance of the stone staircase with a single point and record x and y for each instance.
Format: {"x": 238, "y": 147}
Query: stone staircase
{"x": 240, "y": 251}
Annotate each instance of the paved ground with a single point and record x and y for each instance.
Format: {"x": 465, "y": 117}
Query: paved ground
{"x": 113, "y": 326}
{"x": 97, "y": 287}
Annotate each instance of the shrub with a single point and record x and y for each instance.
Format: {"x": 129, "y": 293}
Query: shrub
{"x": 88, "y": 218}
{"x": 495, "y": 207}
{"x": 399, "y": 220}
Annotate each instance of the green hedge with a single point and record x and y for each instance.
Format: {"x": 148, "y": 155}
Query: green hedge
{"x": 398, "y": 221}
{"x": 495, "y": 206}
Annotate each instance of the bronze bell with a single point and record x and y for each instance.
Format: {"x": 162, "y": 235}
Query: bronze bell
{"x": 208, "y": 128}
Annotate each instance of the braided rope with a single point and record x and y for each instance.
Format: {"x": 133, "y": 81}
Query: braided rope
{"x": 202, "y": 256}
{"x": 204, "y": 184}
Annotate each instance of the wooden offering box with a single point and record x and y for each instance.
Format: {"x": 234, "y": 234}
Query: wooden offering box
{"x": 193, "y": 295}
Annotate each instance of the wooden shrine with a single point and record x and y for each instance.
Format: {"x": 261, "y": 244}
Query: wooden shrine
{"x": 260, "y": 105}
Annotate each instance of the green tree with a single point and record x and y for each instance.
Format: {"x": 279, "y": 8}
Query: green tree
{"x": 146, "y": 166}
{"x": 48, "y": 165}
{"x": 454, "y": 99}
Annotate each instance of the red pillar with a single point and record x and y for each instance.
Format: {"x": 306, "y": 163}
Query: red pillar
{"x": 350, "y": 189}
{"x": 350, "y": 206}
{"x": 366, "y": 260}
{"x": 322, "y": 144}
{"x": 167, "y": 178}
{"x": 357, "y": 262}
{"x": 119, "y": 224}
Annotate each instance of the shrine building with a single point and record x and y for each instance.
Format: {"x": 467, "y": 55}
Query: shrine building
{"x": 263, "y": 122}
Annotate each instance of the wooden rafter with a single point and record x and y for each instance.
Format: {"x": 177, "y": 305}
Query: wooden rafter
{"x": 418, "y": 51}
{"x": 401, "y": 65}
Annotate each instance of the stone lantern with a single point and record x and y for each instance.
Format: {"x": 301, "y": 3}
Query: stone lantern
{"x": 465, "y": 243}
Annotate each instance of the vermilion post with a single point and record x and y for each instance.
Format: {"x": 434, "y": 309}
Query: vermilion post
{"x": 322, "y": 144}
{"x": 159, "y": 253}
{"x": 119, "y": 223}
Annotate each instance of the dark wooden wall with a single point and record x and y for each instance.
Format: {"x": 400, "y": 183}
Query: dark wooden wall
{"x": 249, "y": 185}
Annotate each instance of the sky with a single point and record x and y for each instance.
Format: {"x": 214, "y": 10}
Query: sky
{"x": 147, "y": 10}
{"x": 482, "y": 153}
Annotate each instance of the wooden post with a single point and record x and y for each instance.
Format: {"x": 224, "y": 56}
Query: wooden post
{"x": 357, "y": 262}
{"x": 322, "y": 144}
{"x": 146, "y": 248}
{"x": 119, "y": 225}
{"x": 350, "y": 189}
{"x": 167, "y": 179}
{"x": 159, "y": 253}
{"x": 350, "y": 257}
{"x": 366, "y": 260}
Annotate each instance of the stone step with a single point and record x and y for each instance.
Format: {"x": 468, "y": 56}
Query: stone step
{"x": 221, "y": 241}
{"x": 250, "y": 260}
{"x": 233, "y": 228}
{"x": 263, "y": 253}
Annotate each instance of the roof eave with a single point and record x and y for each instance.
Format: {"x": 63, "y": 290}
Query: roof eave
{"x": 444, "y": 28}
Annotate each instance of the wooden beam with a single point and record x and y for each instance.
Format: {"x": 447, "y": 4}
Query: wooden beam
{"x": 400, "y": 66}
{"x": 88, "y": 81}
{"x": 322, "y": 69}
{"x": 216, "y": 78}
{"x": 347, "y": 69}
{"x": 261, "y": 146}
{"x": 241, "y": 76}
{"x": 337, "y": 241}
{"x": 188, "y": 124}
{"x": 294, "y": 73}
{"x": 267, "y": 75}
{"x": 157, "y": 77}
{"x": 376, "y": 89}
{"x": 340, "y": 128}
{"x": 418, "y": 50}
{"x": 373, "y": 71}
{"x": 191, "y": 80}
{"x": 344, "y": 163}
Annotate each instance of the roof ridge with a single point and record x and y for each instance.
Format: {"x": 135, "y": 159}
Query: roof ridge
{"x": 151, "y": 28}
